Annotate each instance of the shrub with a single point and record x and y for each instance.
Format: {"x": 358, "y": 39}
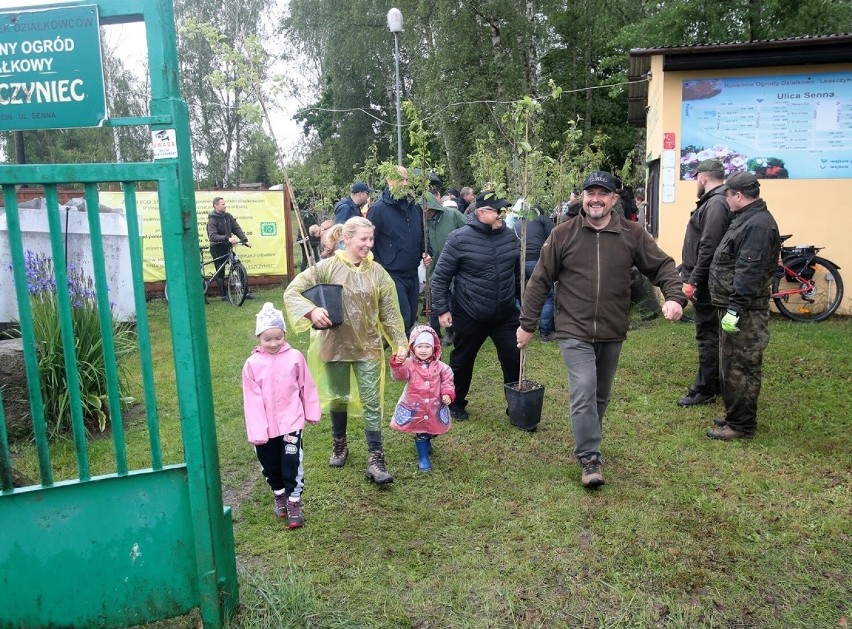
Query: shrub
{"x": 88, "y": 344}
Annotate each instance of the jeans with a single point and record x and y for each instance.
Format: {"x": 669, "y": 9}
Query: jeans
{"x": 408, "y": 291}
{"x": 591, "y": 371}
{"x": 545, "y": 322}
{"x": 469, "y": 335}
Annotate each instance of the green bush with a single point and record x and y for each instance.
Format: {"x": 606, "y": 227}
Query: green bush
{"x": 88, "y": 344}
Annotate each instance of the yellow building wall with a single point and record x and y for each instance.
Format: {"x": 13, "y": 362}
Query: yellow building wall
{"x": 815, "y": 211}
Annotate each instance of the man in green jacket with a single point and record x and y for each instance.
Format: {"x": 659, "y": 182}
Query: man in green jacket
{"x": 590, "y": 257}
{"x": 443, "y": 219}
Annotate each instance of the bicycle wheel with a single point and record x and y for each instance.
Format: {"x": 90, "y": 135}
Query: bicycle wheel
{"x": 817, "y": 304}
{"x": 237, "y": 284}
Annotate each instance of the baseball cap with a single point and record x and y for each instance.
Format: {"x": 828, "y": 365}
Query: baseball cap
{"x": 743, "y": 181}
{"x": 711, "y": 166}
{"x": 603, "y": 179}
{"x": 360, "y": 186}
{"x": 488, "y": 198}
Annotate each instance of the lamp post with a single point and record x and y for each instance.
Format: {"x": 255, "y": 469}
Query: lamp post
{"x": 395, "y": 27}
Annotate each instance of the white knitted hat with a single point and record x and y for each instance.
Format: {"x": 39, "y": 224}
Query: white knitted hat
{"x": 269, "y": 317}
{"x": 424, "y": 338}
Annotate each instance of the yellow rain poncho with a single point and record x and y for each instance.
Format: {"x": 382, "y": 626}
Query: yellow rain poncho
{"x": 371, "y": 313}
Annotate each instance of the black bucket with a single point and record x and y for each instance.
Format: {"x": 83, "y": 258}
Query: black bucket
{"x": 524, "y": 407}
{"x": 330, "y": 297}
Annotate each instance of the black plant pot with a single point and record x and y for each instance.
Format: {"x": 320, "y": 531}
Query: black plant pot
{"x": 524, "y": 404}
{"x": 330, "y": 297}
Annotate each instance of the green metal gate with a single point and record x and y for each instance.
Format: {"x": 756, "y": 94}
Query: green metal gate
{"x": 136, "y": 545}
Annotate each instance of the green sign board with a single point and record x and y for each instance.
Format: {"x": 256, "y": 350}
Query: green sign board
{"x": 51, "y": 75}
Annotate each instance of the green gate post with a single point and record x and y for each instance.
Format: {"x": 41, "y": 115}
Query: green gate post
{"x": 213, "y": 539}
{"x": 172, "y": 502}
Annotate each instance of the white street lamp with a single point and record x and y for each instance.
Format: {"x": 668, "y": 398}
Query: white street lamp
{"x": 395, "y": 27}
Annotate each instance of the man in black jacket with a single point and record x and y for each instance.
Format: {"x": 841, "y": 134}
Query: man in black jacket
{"x": 707, "y": 224}
{"x": 740, "y": 278}
{"x": 224, "y": 231}
{"x": 482, "y": 260}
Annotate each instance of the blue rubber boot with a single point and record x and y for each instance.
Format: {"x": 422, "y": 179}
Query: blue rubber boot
{"x": 423, "y": 455}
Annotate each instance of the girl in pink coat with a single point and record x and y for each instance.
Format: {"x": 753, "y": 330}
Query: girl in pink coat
{"x": 279, "y": 396}
{"x": 423, "y": 407}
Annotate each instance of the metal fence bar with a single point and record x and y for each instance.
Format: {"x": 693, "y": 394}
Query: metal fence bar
{"x": 6, "y": 482}
{"x": 105, "y": 316}
{"x": 63, "y": 307}
{"x": 142, "y": 330}
{"x": 16, "y": 248}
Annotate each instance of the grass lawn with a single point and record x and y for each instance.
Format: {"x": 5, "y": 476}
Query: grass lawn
{"x": 687, "y": 532}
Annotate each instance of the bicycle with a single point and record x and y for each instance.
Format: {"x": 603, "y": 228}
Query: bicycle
{"x": 237, "y": 276}
{"x": 806, "y": 287}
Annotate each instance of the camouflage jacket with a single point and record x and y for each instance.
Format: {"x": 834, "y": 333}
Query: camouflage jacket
{"x": 745, "y": 260}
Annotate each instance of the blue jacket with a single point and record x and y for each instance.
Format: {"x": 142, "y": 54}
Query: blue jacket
{"x": 399, "y": 245}
{"x": 345, "y": 209}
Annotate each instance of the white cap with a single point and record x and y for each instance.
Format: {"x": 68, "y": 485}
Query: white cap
{"x": 425, "y": 338}
{"x": 269, "y": 317}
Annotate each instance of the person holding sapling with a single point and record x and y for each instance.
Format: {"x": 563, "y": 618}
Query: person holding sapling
{"x": 593, "y": 304}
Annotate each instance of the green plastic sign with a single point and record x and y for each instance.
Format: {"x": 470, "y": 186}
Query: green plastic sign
{"x": 51, "y": 76}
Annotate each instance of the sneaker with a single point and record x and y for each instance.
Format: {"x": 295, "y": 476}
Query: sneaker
{"x": 547, "y": 338}
{"x": 458, "y": 413}
{"x": 376, "y": 470}
{"x": 339, "y": 452}
{"x": 294, "y": 514}
{"x": 726, "y": 433}
{"x": 251, "y": 296}
{"x": 720, "y": 421}
{"x": 696, "y": 398}
{"x": 279, "y": 506}
{"x": 592, "y": 476}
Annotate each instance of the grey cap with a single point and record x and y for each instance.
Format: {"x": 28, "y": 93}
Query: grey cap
{"x": 711, "y": 166}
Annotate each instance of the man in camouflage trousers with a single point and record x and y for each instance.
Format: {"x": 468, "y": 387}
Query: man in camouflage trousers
{"x": 740, "y": 279}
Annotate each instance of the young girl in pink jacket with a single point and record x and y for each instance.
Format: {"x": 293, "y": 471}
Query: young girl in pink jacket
{"x": 279, "y": 396}
{"x": 422, "y": 409}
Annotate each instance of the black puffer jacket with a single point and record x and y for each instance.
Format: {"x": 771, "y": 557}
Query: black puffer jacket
{"x": 485, "y": 266}
{"x": 745, "y": 261}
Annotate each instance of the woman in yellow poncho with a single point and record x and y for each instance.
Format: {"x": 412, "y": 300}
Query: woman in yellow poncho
{"x": 371, "y": 311}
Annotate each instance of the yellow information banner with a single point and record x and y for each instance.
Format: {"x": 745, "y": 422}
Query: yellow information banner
{"x": 259, "y": 213}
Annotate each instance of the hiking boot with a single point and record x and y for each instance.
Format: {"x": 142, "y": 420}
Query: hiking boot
{"x": 279, "y": 506}
{"x": 720, "y": 421}
{"x": 294, "y": 514}
{"x": 592, "y": 476}
{"x": 458, "y": 413}
{"x": 339, "y": 452}
{"x": 696, "y": 398}
{"x": 376, "y": 470}
{"x": 726, "y": 433}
